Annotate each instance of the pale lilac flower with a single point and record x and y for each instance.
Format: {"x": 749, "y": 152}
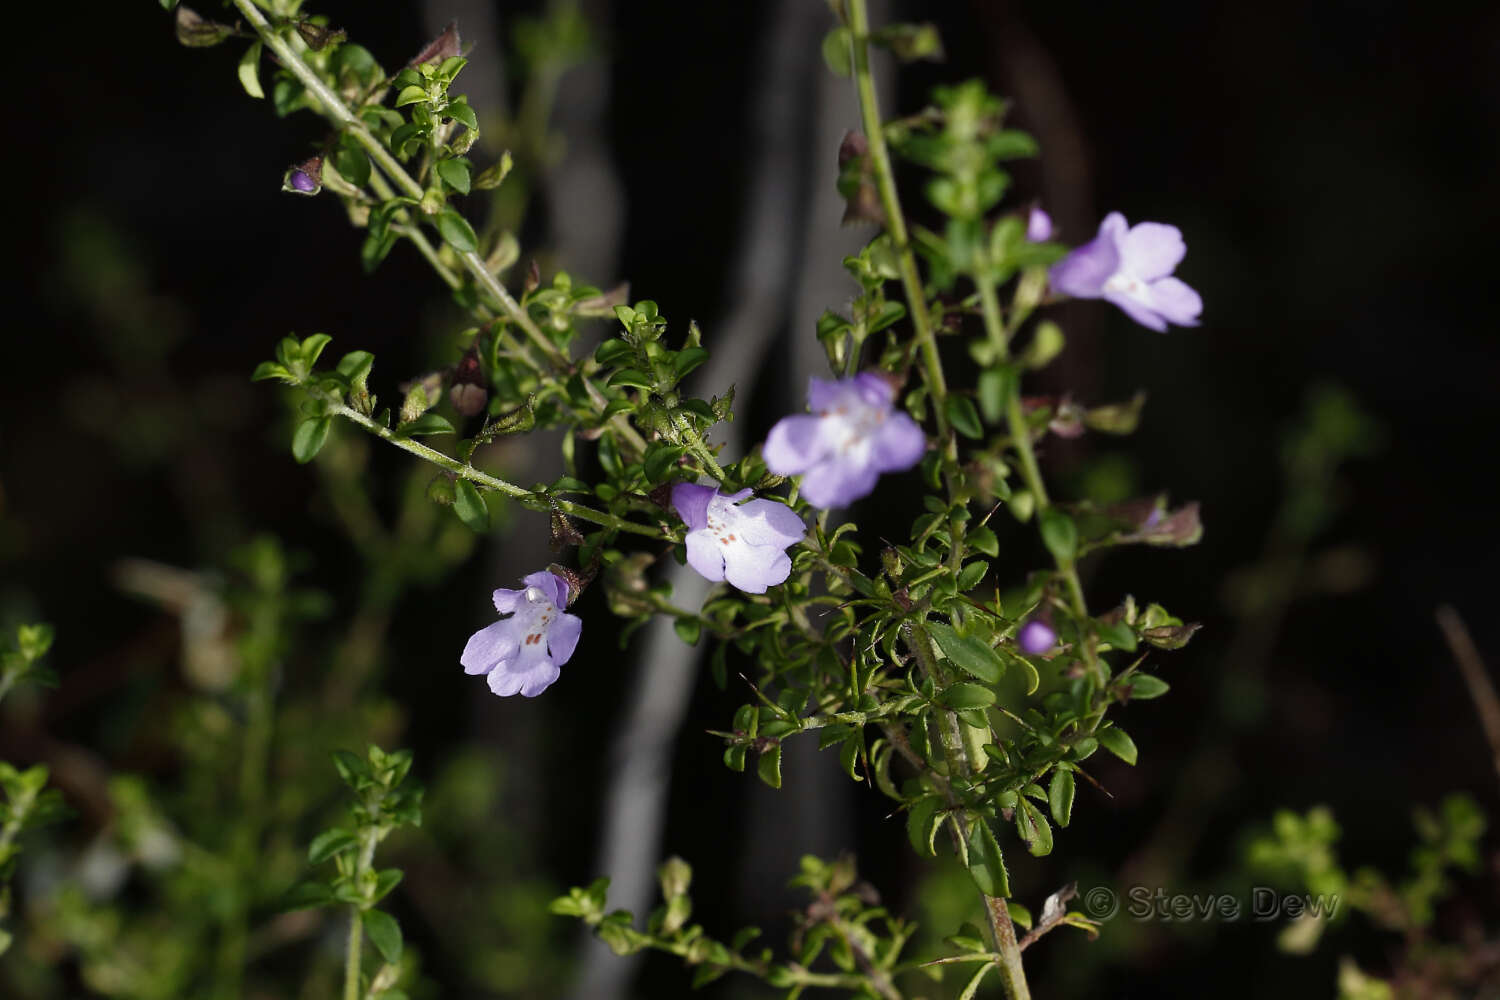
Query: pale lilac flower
{"x": 1036, "y": 637}
{"x": 852, "y": 436}
{"x": 303, "y": 182}
{"x": 522, "y": 653}
{"x": 1131, "y": 266}
{"x": 1038, "y": 226}
{"x": 741, "y": 542}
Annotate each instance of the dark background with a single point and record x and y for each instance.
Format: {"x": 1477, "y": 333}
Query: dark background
{"x": 1332, "y": 168}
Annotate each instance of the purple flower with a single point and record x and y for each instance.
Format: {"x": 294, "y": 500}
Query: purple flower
{"x": 522, "y": 653}
{"x": 850, "y": 438}
{"x": 1038, "y": 226}
{"x": 302, "y": 182}
{"x": 739, "y": 542}
{"x": 1131, "y": 266}
{"x": 1036, "y": 637}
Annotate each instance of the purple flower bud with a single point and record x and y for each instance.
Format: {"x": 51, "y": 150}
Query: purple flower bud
{"x": 1036, "y": 637}
{"x": 522, "y": 653}
{"x": 854, "y": 434}
{"x": 1038, "y": 226}
{"x": 742, "y": 542}
{"x": 305, "y": 177}
{"x": 1131, "y": 266}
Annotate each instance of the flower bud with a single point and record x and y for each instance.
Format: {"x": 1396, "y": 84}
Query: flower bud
{"x": 468, "y": 400}
{"x": 414, "y": 405}
{"x": 305, "y": 177}
{"x": 675, "y": 875}
{"x": 1038, "y": 226}
{"x": 440, "y": 490}
{"x": 1036, "y": 637}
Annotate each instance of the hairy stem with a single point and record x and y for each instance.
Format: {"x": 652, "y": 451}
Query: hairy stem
{"x": 895, "y": 221}
{"x": 1020, "y": 434}
{"x": 520, "y": 494}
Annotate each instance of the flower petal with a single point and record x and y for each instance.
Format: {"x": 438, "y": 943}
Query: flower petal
{"x": 506, "y": 682}
{"x": 1138, "y": 311}
{"x": 1083, "y": 272}
{"x": 794, "y": 445}
{"x": 836, "y": 484}
{"x": 754, "y": 568}
{"x": 898, "y": 444}
{"x": 873, "y": 390}
{"x": 489, "y": 647}
{"x": 824, "y": 393}
{"x": 554, "y": 587}
{"x": 539, "y": 680}
{"x": 704, "y": 555}
{"x": 692, "y": 502}
{"x": 769, "y": 522}
{"x": 1176, "y": 301}
{"x": 562, "y": 637}
{"x": 506, "y": 601}
{"x": 1153, "y": 250}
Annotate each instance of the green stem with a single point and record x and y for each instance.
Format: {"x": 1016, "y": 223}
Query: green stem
{"x": 1012, "y": 974}
{"x": 895, "y": 221}
{"x": 352, "y": 954}
{"x": 368, "y": 840}
{"x": 521, "y": 495}
{"x": 1020, "y": 434}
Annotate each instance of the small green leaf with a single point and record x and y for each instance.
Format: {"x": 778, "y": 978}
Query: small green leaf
{"x": 426, "y": 424}
{"x": 919, "y": 820}
{"x": 967, "y": 653}
{"x": 836, "y": 51}
{"x": 310, "y": 437}
{"x": 385, "y": 934}
{"x": 470, "y": 507}
{"x": 461, "y": 112}
{"x": 250, "y": 71}
{"x": 995, "y": 387}
{"x": 1144, "y": 687}
{"x": 971, "y": 988}
{"x": 688, "y": 630}
{"x": 312, "y": 348}
{"x": 330, "y": 843}
{"x": 352, "y": 162}
{"x": 1060, "y": 534}
{"x": 1060, "y": 796}
{"x": 986, "y": 863}
{"x": 965, "y": 695}
{"x": 982, "y": 538}
{"x": 1034, "y": 828}
{"x": 493, "y": 175}
{"x": 385, "y": 881}
{"x": 305, "y": 895}
{"x": 410, "y": 95}
{"x": 769, "y": 766}
{"x": 457, "y": 231}
{"x": 455, "y": 173}
{"x": 269, "y": 369}
{"x": 1118, "y": 742}
{"x": 687, "y": 360}
{"x": 971, "y": 574}
{"x": 965, "y": 417}
{"x": 1118, "y": 634}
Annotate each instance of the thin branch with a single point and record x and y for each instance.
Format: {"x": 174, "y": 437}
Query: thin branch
{"x": 1481, "y": 688}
